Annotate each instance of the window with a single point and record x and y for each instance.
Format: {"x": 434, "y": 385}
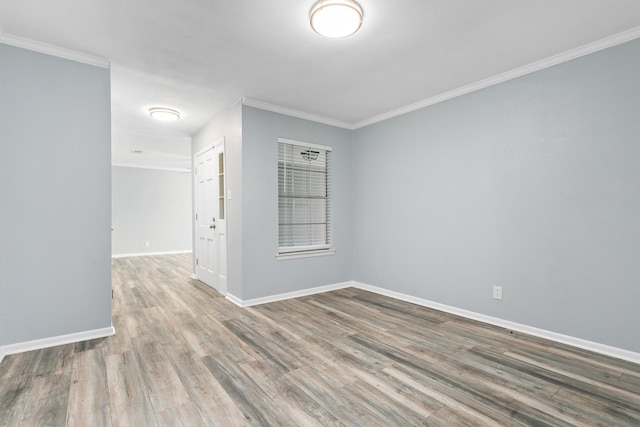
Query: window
{"x": 304, "y": 208}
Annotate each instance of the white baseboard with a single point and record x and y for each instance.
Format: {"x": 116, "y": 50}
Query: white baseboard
{"x": 54, "y": 341}
{"x": 553, "y": 336}
{"x": 288, "y": 295}
{"x": 234, "y": 299}
{"x": 150, "y": 254}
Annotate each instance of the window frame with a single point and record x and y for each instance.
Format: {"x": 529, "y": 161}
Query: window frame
{"x": 291, "y": 252}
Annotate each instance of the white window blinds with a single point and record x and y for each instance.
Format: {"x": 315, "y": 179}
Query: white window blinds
{"x": 304, "y": 210}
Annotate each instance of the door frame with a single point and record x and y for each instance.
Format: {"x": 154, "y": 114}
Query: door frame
{"x": 216, "y": 144}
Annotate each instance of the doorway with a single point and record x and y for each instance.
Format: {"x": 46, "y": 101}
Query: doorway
{"x": 210, "y": 216}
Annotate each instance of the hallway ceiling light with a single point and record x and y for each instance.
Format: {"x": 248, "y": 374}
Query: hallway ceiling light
{"x": 164, "y": 114}
{"x": 336, "y": 18}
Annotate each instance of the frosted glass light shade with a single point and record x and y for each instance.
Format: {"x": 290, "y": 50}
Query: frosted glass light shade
{"x": 164, "y": 114}
{"x": 336, "y": 18}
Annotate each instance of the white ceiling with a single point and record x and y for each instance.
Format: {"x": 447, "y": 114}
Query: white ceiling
{"x": 201, "y": 56}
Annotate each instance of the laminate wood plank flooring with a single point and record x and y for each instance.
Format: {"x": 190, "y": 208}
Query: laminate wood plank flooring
{"x": 183, "y": 355}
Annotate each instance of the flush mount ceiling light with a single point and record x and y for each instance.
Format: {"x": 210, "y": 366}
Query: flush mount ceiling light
{"x": 164, "y": 114}
{"x": 336, "y": 18}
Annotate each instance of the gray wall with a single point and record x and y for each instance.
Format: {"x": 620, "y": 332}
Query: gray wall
{"x": 150, "y": 205}
{"x": 251, "y": 139}
{"x": 228, "y": 126}
{"x": 55, "y": 188}
{"x": 532, "y": 184}
{"x": 263, "y": 274}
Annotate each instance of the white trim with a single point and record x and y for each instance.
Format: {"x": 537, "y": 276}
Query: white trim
{"x": 553, "y": 336}
{"x": 150, "y": 254}
{"x": 55, "y": 341}
{"x": 220, "y": 142}
{"x": 295, "y": 113}
{"x": 607, "y": 42}
{"x": 216, "y": 143}
{"x": 305, "y": 254}
{"x": 305, "y": 144}
{"x": 288, "y": 295}
{"x": 160, "y": 168}
{"x": 596, "y": 46}
{"x": 234, "y": 299}
{"x": 50, "y": 49}
{"x": 194, "y": 207}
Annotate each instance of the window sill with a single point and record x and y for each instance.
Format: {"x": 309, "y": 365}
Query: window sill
{"x": 306, "y": 254}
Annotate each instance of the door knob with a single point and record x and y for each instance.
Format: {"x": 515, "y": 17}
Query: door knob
{"x": 212, "y": 226}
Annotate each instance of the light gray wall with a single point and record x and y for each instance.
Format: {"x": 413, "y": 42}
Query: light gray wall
{"x": 150, "y": 205}
{"x": 55, "y": 190}
{"x": 251, "y": 142}
{"x": 228, "y": 126}
{"x": 532, "y": 184}
{"x": 263, "y": 274}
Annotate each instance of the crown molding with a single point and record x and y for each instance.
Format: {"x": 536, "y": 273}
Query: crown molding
{"x": 160, "y": 168}
{"x": 596, "y": 46}
{"x": 607, "y": 42}
{"x": 49, "y": 49}
{"x": 295, "y": 113}
{"x": 587, "y": 49}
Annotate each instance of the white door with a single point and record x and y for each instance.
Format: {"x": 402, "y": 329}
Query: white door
{"x": 211, "y": 238}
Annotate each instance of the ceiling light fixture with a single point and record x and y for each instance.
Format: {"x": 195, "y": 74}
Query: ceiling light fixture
{"x": 164, "y": 114}
{"x": 336, "y": 18}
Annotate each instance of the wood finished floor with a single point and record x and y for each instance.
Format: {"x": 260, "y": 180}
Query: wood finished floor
{"x": 185, "y": 356}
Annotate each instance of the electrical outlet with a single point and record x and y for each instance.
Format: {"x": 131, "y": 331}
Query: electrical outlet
{"x": 497, "y": 292}
{"x": 146, "y": 244}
